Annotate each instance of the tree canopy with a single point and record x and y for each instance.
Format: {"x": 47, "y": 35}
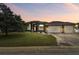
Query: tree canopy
{"x": 10, "y": 22}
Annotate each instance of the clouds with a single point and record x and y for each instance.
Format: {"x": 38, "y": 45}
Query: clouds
{"x": 23, "y": 13}
{"x": 71, "y": 7}
{"x": 47, "y": 12}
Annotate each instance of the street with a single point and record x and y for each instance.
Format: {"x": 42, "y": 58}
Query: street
{"x": 40, "y": 50}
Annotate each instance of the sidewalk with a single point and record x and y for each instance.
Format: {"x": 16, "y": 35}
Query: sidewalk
{"x": 40, "y": 50}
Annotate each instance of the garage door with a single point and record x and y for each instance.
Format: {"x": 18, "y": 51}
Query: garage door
{"x": 54, "y": 29}
{"x": 68, "y": 29}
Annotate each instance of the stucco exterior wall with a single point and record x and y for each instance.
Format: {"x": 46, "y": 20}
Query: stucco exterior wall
{"x": 29, "y": 27}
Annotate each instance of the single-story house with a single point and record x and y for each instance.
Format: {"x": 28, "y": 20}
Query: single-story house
{"x": 51, "y": 27}
{"x": 77, "y": 28}
{"x": 60, "y": 27}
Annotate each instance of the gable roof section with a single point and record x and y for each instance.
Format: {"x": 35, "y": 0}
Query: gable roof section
{"x": 59, "y": 23}
{"x": 37, "y": 22}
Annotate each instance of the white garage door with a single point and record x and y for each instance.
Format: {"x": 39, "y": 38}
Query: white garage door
{"x": 68, "y": 29}
{"x": 54, "y": 29}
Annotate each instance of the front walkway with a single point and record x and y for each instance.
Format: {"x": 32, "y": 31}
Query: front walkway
{"x": 67, "y": 39}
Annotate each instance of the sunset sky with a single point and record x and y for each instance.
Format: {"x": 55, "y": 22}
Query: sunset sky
{"x": 46, "y": 11}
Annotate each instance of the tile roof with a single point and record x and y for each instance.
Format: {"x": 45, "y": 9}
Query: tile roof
{"x": 58, "y": 23}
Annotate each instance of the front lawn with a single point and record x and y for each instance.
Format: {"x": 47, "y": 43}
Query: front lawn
{"x": 27, "y": 39}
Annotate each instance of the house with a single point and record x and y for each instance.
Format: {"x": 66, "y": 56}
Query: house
{"x": 60, "y": 27}
{"x": 77, "y": 28}
{"x": 36, "y": 26}
{"x": 51, "y": 27}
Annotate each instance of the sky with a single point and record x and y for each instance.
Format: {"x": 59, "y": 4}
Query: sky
{"x": 66, "y": 12}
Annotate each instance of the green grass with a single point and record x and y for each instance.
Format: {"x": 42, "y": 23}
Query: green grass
{"x": 27, "y": 39}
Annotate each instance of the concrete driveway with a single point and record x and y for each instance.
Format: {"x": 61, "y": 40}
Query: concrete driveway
{"x": 67, "y": 39}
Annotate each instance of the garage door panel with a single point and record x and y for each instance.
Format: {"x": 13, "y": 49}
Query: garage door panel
{"x": 54, "y": 29}
{"x": 68, "y": 29}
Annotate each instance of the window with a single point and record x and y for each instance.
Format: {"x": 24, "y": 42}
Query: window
{"x": 41, "y": 27}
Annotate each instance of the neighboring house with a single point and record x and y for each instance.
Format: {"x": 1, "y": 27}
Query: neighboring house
{"x": 77, "y": 28}
{"x": 60, "y": 27}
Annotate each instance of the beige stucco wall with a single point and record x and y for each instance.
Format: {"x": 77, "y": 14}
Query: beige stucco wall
{"x": 29, "y": 27}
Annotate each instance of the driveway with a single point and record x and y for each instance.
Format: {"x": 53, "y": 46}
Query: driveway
{"x": 67, "y": 39}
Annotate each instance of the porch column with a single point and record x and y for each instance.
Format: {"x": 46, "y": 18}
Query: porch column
{"x": 62, "y": 28}
{"x": 44, "y": 28}
{"x": 31, "y": 26}
{"x": 37, "y": 27}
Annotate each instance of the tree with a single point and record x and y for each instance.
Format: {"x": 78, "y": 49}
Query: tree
{"x": 8, "y": 21}
{"x": 18, "y": 23}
